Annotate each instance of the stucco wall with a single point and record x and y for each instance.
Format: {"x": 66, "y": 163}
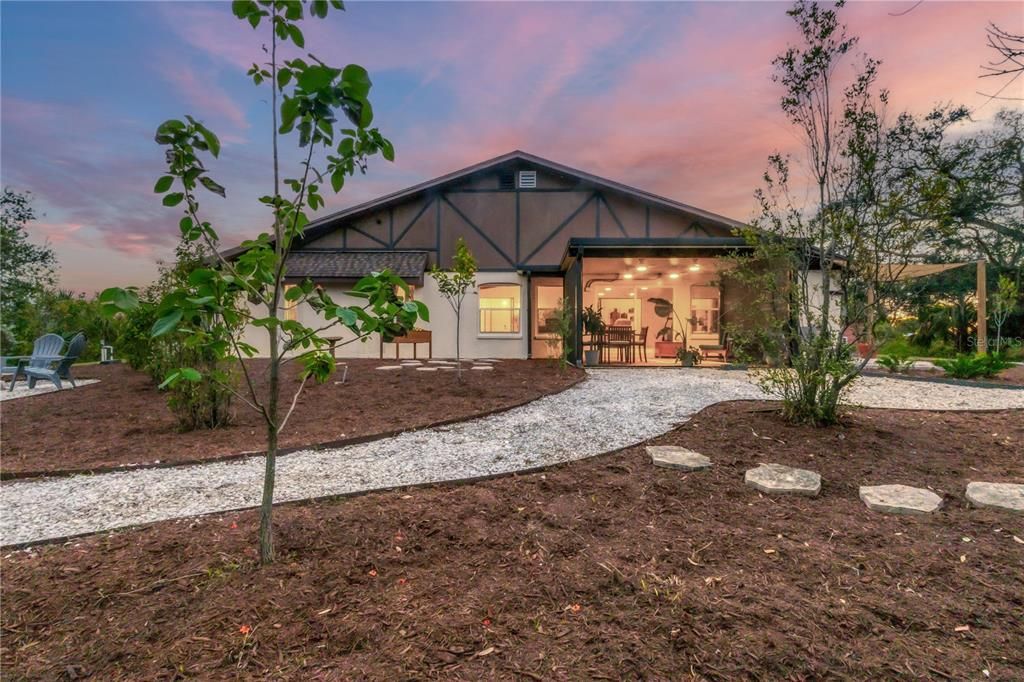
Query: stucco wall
{"x": 442, "y": 324}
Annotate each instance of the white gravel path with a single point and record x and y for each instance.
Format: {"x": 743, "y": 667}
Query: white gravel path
{"x": 612, "y": 409}
{"x": 21, "y": 389}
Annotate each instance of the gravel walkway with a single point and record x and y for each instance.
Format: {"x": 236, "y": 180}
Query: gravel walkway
{"x": 612, "y": 409}
{"x": 21, "y": 390}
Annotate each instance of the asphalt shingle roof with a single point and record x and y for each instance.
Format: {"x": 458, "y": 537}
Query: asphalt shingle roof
{"x": 330, "y": 264}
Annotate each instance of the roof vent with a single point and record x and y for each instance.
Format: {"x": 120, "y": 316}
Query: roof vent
{"x": 507, "y": 181}
{"x": 527, "y": 179}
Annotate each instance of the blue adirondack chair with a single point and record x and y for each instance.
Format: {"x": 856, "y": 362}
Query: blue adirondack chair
{"x": 45, "y": 351}
{"x": 59, "y": 368}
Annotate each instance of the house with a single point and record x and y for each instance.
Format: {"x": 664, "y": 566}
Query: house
{"x": 540, "y": 231}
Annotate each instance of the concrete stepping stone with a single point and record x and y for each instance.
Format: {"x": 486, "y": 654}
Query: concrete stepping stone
{"x": 675, "y": 457}
{"x": 780, "y": 479}
{"x": 387, "y": 368}
{"x": 440, "y": 362}
{"x": 899, "y": 499}
{"x": 1008, "y": 496}
{"x": 482, "y": 367}
{"x": 426, "y": 369}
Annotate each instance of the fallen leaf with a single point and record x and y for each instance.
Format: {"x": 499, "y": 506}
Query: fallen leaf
{"x": 485, "y": 652}
{"x": 1017, "y": 539}
{"x": 769, "y": 551}
{"x": 372, "y": 573}
{"x": 245, "y": 629}
{"x": 962, "y": 628}
{"x": 327, "y": 610}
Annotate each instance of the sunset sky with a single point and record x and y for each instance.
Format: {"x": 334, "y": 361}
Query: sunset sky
{"x": 675, "y": 98}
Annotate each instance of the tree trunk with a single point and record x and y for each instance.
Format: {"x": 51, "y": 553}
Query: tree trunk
{"x": 267, "y": 503}
{"x": 458, "y": 342}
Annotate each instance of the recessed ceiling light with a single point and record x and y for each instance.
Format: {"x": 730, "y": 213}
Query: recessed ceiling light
{"x": 607, "y": 288}
{"x": 632, "y": 293}
{"x": 673, "y": 261}
{"x": 641, "y": 267}
{"x": 643, "y": 288}
{"x": 674, "y": 275}
{"x": 695, "y": 267}
{"x": 600, "y": 293}
{"x": 628, "y": 275}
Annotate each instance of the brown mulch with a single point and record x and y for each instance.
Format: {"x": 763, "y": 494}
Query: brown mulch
{"x": 124, "y": 420}
{"x": 607, "y": 568}
{"x": 1014, "y": 376}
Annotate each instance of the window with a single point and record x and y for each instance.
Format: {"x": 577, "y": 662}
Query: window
{"x": 499, "y": 308}
{"x": 546, "y": 301}
{"x": 704, "y": 303}
{"x": 291, "y": 309}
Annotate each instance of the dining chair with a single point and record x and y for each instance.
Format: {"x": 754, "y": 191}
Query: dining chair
{"x": 621, "y": 340}
{"x": 639, "y": 344}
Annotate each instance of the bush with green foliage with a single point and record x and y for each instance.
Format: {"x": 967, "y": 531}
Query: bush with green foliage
{"x": 965, "y": 366}
{"x": 561, "y": 344}
{"x": 201, "y": 404}
{"x": 896, "y": 363}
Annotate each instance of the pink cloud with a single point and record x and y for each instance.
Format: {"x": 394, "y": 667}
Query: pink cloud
{"x": 206, "y": 97}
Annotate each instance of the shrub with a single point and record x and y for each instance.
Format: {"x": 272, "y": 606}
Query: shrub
{"x": 203, "y": 404}
{"x": 965, "y": 366}
{"x": 897, "y": 363}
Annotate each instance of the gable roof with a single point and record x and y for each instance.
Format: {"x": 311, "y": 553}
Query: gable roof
{"x": 321, "y": 226}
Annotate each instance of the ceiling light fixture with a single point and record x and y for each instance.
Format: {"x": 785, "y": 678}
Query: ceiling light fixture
{"x": 628, "y": 275}
{"x": 641, "y": 267}
{"x": 674, "y": 275}
{"x": 695, "y": 267}
{"x": 607, "y": 288}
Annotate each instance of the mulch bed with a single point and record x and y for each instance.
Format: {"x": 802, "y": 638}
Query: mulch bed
{"x": 1014, "y": 376}
{"x": 124, "y": 420}
{"x": 606, "y": 568}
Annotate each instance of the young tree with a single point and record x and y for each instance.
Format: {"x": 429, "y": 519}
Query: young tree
{"x": 306, "y": 98}
{"x": 1004, "y": 302}
{"x": 825, "y": 267}
{"x": 26, "y": 269}
{"x": 453, "y": 285}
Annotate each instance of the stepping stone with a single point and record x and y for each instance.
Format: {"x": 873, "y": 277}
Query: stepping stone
{"x": 482, "y": 367}
{"x": 388, "y": 367}
{"x": 439, "y": 362}
{"x": 777, "y": 478}
{"x": 487, "y": 360}
{"x": 426, "y": 369}
{"x": 899, "y": 499}
{"x": 1009, "y": 496}
{"x": 674, "y": 457}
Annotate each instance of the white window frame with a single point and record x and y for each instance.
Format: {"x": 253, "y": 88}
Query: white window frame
{"x": 499, "y": 335}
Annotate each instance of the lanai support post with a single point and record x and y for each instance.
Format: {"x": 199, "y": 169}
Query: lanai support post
{"x": 982, "y": 312}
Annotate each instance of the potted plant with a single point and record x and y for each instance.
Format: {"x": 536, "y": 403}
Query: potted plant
{"x": 688, "y": 357}
{"x": 594, "y": 326}
{"x": 668, "y": 341}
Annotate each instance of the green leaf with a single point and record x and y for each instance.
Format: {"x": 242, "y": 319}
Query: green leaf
{"x": 356, "y": 81}
{"x": 211, "y": 140}
{"x": 243, "y": 8}
{"x": 185, "y": 225}
{"x": 283, "y": 77}
{"x": 387, "y": 150}
{"x": 166, "y": 323}
{"x": 422, "y": 310}
{"x": 163, "y": 184}
{"x": 190, "y": 374}
{"x": 318, "y": 8}
{"x": 171, "y": 379}
{"x": 211, "y": 185}
{"x": 316, "y": 77}
{"x": 338, "y": 179}
{"x": 296, "y": 35}
{"x": 173, "y": 199}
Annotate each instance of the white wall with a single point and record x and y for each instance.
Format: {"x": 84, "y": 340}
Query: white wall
{"x": 442, "y": 324}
